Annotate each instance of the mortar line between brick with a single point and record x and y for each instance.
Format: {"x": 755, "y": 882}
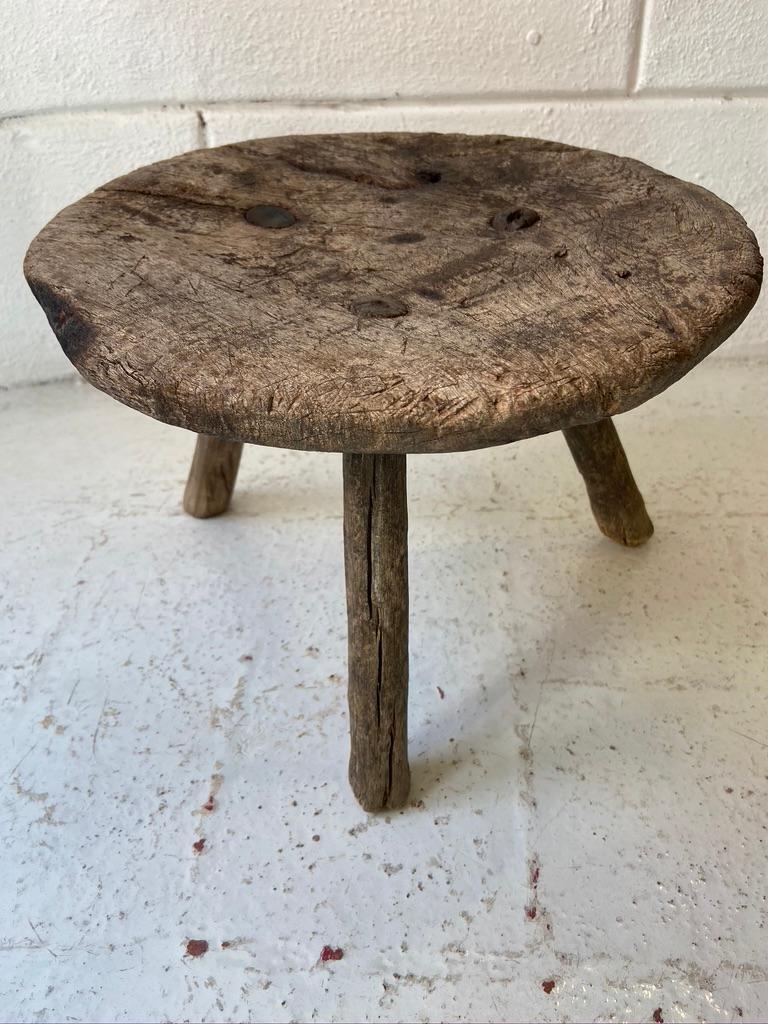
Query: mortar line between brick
{"x": 460, "y": 99}
{"x": 639, "y": 36}
{"x": 202, "y": 130}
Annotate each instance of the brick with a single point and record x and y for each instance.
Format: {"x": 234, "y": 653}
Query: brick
{"x": 99, "y": 52}
{"x": 692, "y": 44}
{"x": 45, "y": 163}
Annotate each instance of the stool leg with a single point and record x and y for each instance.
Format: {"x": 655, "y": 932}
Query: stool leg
{"x": 616, "y": 502}
{"x": 376, "y": 564}
{"x": 212, "y": 476}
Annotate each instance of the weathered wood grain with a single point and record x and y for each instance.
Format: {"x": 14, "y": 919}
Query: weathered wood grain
{"x": 616, "y": 502}
{"x": 376, "y": 563}
{"x": 212, "y": 476}
{"x": 393, "y": 292}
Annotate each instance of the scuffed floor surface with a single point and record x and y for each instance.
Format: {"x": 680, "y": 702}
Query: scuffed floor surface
{"x": 587, "y": 838}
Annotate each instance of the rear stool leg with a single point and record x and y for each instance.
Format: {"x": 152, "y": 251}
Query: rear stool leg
{"x": 376, "y": 565}
{"x": 617, "y": 503}
{"x": 212, "y": 476}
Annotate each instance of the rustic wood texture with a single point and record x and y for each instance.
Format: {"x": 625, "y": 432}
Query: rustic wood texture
{"x": 212, "y": 476}
{"x": 376, "y": 562}
{"x": 393, "y": 292}
{"x": 616, "y": 502}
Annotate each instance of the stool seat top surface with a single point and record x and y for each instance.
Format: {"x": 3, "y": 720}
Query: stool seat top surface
{"x": 392, "y": 292}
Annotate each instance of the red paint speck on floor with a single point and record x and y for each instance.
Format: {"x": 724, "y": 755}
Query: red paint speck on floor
{"x": 657, "y": 1016}
{"x": 329, "y": 953}
{"x": 548, "y": 986}
{"x": 197, "y": 947}
{"x": 198, "y": 846}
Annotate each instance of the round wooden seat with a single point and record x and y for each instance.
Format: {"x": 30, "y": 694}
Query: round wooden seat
{"x": 392, "y": 293}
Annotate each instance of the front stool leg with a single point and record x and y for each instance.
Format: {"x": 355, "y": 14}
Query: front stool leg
{"x": 212, "y": 476}
{"x": 617, "y": 504}
{"x": 376, "y": 565}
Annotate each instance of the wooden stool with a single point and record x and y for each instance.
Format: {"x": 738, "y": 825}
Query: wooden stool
{"x": 379, "y": 295}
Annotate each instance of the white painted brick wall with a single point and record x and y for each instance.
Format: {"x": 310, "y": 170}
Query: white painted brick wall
{"x": 91, "y": 88}
{"x": 710, "y": 44}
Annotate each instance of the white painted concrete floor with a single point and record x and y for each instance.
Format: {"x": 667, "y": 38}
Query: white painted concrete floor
{"x": 589, "y": 732}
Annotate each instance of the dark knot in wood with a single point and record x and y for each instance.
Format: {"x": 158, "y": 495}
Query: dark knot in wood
{"x": 378, "y": 306}
{"x": 514, "y": 220}
{"x": 427, "y": 176}
{"x": 406, "y": 237}
{"x": 265, "y": 216}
